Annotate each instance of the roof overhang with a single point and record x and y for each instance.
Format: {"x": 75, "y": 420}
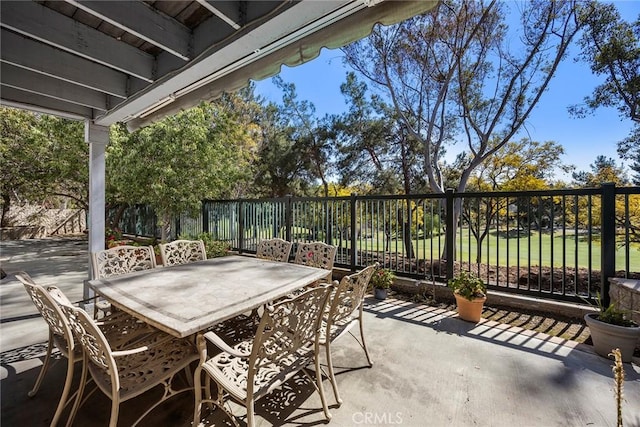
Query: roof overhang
{"x": 136, "y": 62}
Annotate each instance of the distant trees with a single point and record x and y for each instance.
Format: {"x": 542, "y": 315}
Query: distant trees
{"x": 458, "y": 73}
{"x": 603, "y": 169}
{"x": 517, "y": 166}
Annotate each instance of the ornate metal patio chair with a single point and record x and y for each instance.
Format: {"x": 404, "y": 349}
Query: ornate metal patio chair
{"x": 285, "y": 342}
{"x": 275, "y": 249}
{"x": 344, "y": 310}
{"x": 316, "y": 254}
{"x": 60, "y": 336}
{"x": 122, "y": 327}
{"x": 125, "y": 373}
{"x": 120, "y": 260}
{"x": 182, "y": 252}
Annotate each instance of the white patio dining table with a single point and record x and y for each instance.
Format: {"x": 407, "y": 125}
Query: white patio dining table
{"x": 185, "y": 299}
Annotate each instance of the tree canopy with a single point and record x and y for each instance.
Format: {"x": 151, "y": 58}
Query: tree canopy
{"x": 42, "y": 158}
{"x": 172, "y": 165}
{"x": 611, "y": 46}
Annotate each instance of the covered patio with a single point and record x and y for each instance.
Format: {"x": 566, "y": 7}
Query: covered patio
{"x": 135, "y": 62}
{"x": 430, "y": 368}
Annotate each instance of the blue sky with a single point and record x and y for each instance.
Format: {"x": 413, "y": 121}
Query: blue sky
{"x": 319, "y": 80}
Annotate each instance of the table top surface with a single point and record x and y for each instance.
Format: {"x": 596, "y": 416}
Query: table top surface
{"x": 185, "y": 299}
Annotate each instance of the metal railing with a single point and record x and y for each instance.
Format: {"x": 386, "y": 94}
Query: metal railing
{"x": 556, "y": 244}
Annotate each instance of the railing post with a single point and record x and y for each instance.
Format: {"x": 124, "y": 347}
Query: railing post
{"x": 607, "y": 239}
{"x": 352, "y": 231}
{"x": 450, "y": 233}
{"x": 178, "y": 227}
{"x": 240, "y": 226}
{"x": 205, "y": 216}
{"x": 328, "y": 228}
{"x": 288, "y": 217}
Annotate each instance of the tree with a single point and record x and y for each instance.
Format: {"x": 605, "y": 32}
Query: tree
{"x": 174, "y": 164}
{"x": 612, "y": 48}
{"x": 313, "y": 138}
{"x": 41, "y": 157}
{"x": 629, "y": 149}
{"x": 457, "y": 73}
{"x": 281, "y": 164}
{"x": 603, "y": 170}
{"x": 517, "y": 166}
{"x": 364, "y": 143}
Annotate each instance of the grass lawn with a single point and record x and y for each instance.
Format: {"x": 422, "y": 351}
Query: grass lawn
{"x": 536, "y": 248}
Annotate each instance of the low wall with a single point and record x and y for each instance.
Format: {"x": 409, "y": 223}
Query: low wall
{"x": 440, "y": 292}
{"x": 626, "y": 294}
{"x": 22, "y": 232}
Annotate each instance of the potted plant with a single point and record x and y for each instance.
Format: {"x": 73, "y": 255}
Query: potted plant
{"x": 470, "y": 293}
{"x": 611, "y": 328}
{"x": 381, "y": 281}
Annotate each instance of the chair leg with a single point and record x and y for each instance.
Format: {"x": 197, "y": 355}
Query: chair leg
{"x": 80, "y": 392}
{"x": 65, "y": 391}
{"x": 115, "y": 409}
{"x": 323, "y": 398}
{"x": 45, "y": 366}
{"x": 364, "y": 343}
{"x": 197, "y": 391}
{"x": 332, "y": 377}
{"x": 251, "y": 422}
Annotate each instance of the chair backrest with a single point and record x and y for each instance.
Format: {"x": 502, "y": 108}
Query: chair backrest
{"x": 96, "y": 347}
{"x": 51, "y": 313}
{"x": 122, "y": 259}
{"x": 275, "y": 249}
{"x": 316, "y": 254}
{"x": 287, "y": 334}
{"x": 182, "y": 252}
{"x": 348, "y": 296}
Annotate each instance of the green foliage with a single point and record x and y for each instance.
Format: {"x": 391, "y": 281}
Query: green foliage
{"x": 468, "y": 285}
{"x": 298, "y": 145}
{"x": 382, "y": 278}
{"x": 367, "y": 152}
{"x": 612, "y": 314}
{"x": 603, "y": 170}
{"x": 42, "y": 158}
{"x": 611, "y": 46}
{"x": 214, "y": 248}
{"x": 200, "y": 153}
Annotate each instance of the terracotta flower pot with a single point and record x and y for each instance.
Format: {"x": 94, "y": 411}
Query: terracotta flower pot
{"x": 470, "y": 311}
{"x": 606, "y": 337}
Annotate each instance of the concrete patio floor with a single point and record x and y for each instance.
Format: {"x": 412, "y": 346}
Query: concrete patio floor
{"x": 430, "y": 368}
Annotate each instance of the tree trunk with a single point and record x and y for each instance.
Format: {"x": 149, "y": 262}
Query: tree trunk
{"x": 408, "y": 243}
{"x": 165, "y": 227}
{"x": 6, "y": 204}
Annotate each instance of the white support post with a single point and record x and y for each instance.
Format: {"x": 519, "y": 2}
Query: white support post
{"x": 97, "y": 137}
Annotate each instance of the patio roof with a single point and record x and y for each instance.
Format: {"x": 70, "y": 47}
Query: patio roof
{"x": 138, "y": 61}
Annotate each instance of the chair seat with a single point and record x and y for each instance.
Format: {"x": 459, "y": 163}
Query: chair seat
{"x": 238, "y": 328}
{"x": 123, "y": 330}
{"x": 139, "y": 372}
{"x": 337, "y": 329}
{"x": 231, "y": 371}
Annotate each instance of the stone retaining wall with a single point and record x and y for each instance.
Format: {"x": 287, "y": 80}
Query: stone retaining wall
{"x": 625, "y": 293}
